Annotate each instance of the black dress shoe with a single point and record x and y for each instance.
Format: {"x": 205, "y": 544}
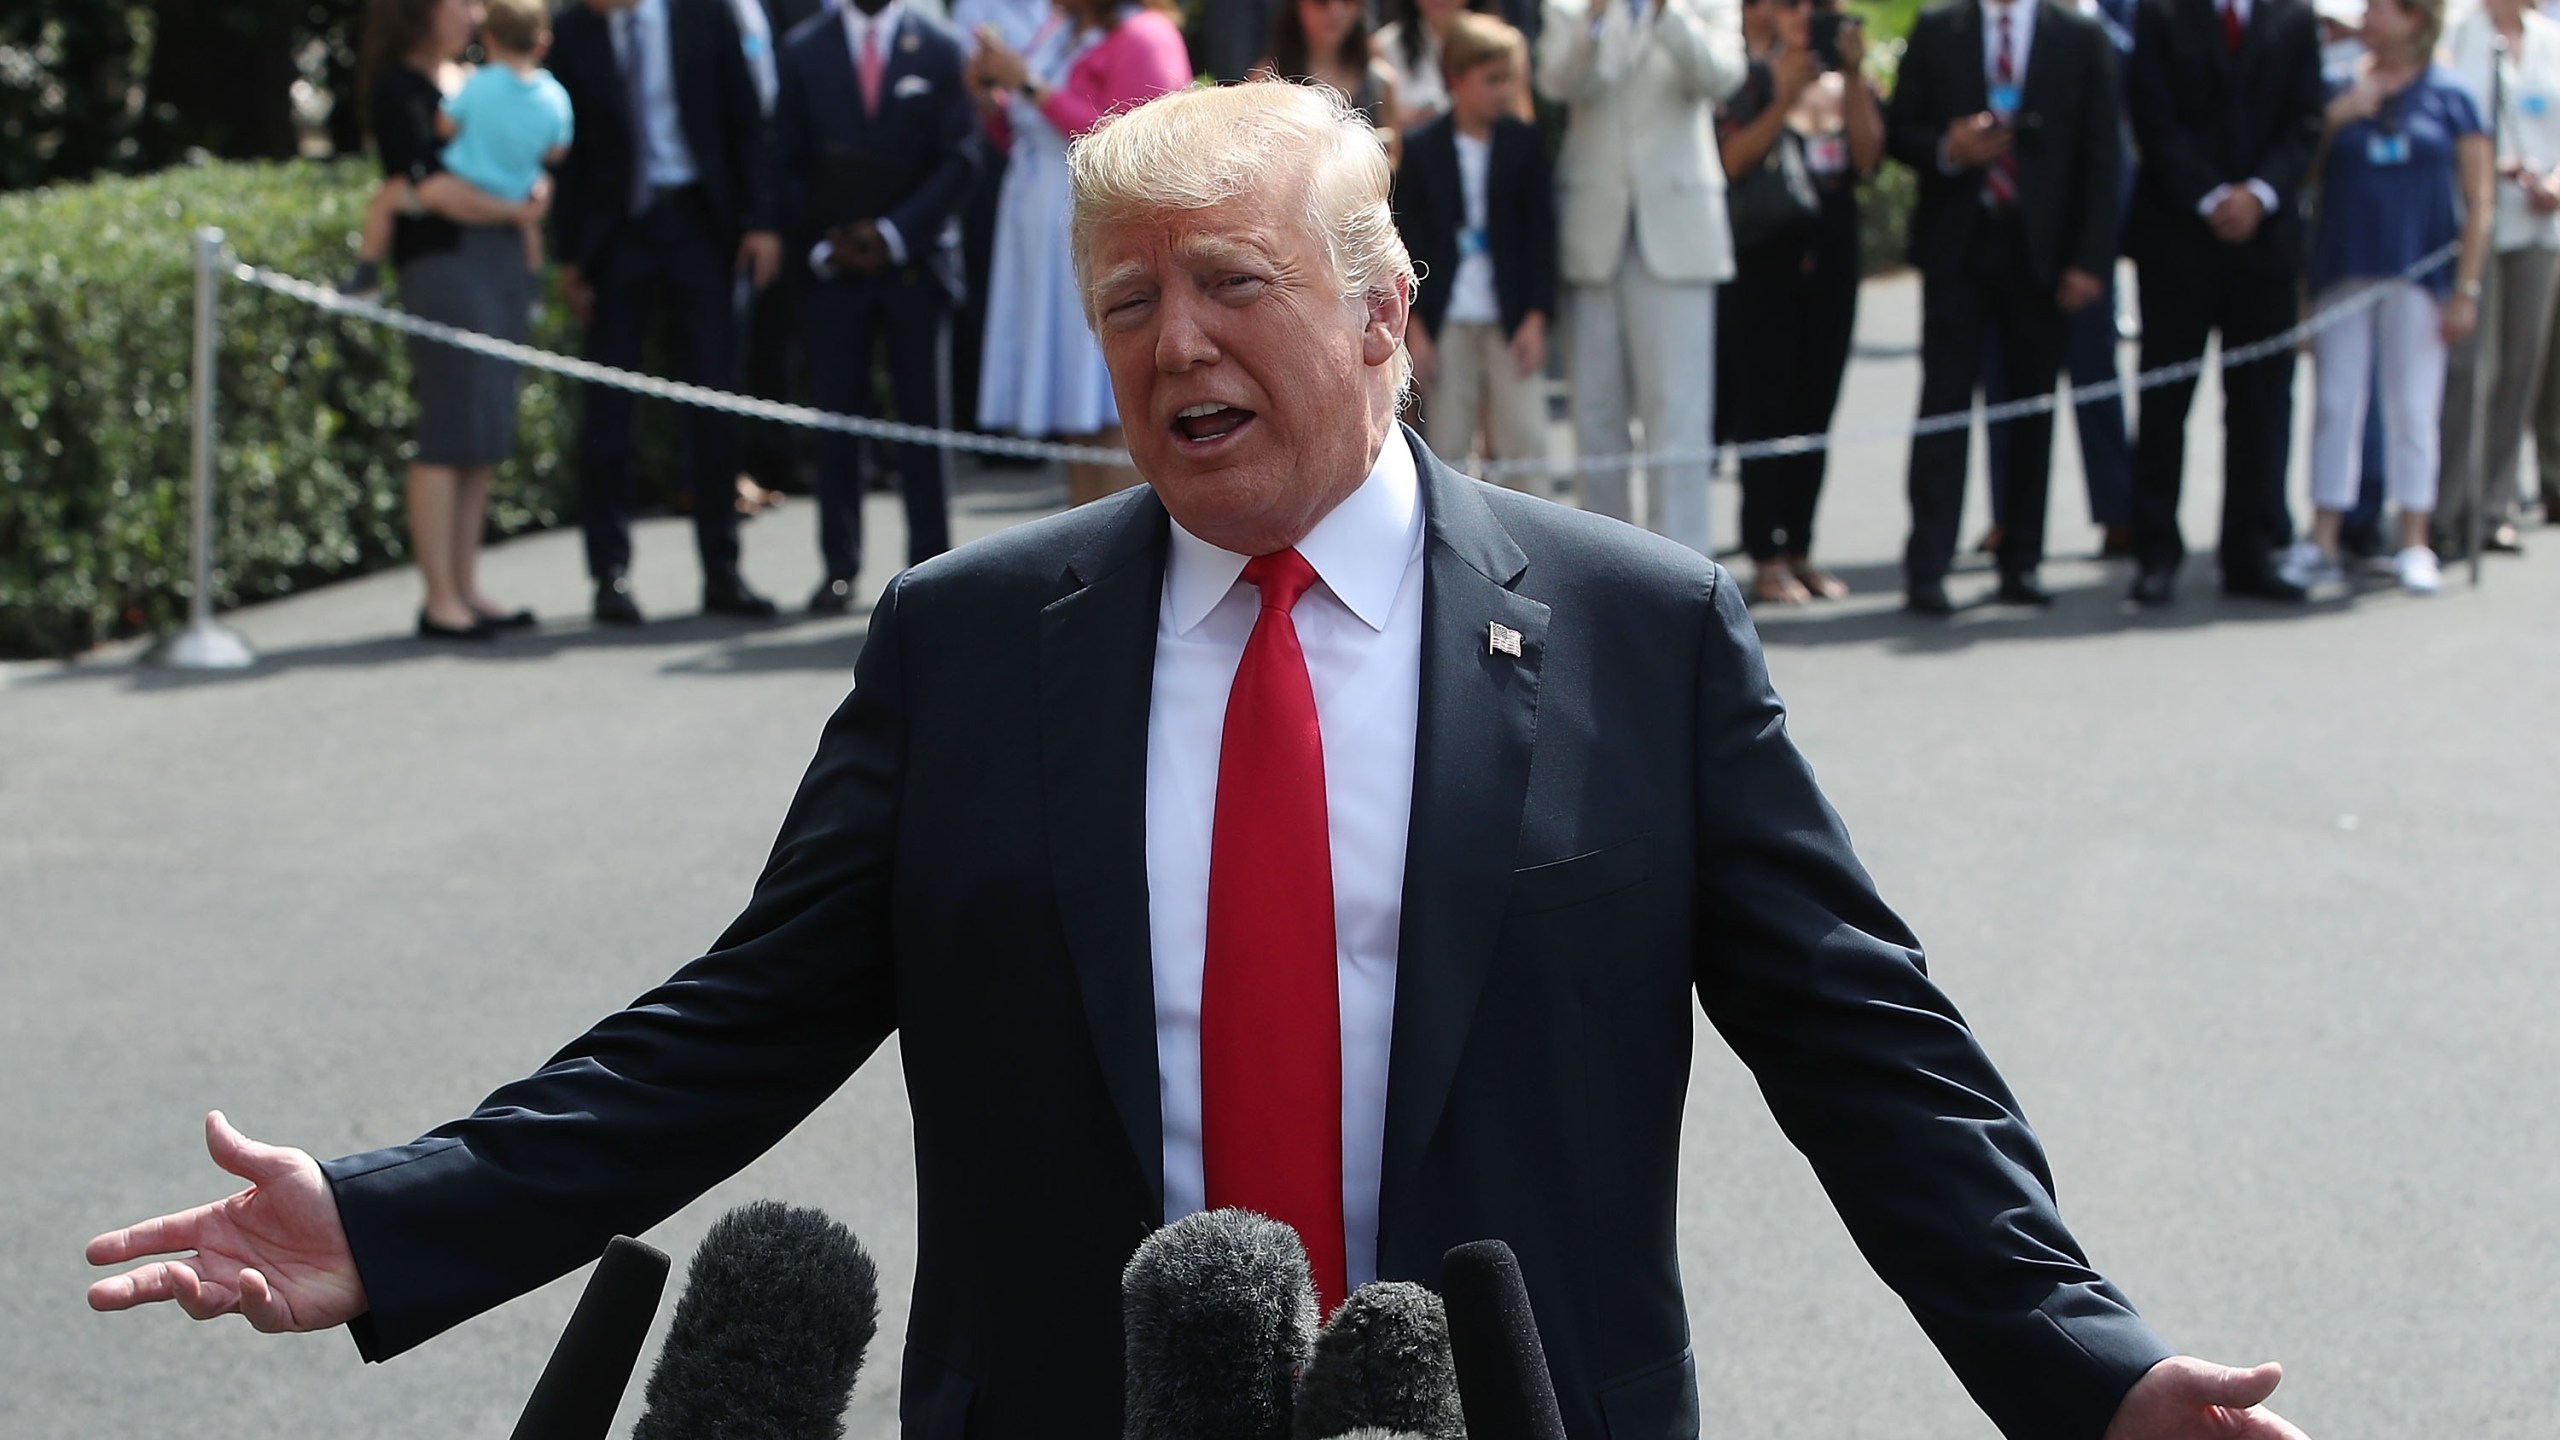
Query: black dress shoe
{"x": 1928, "y": 597}
{"x": 614, "y": 605}
{"x": 732, "y": 597}
{"x": 2155, "y": 588}
{"x": 833, "y": 598}
{"x": 2264, "y": 587}
{"x": 2021, "y": 590}
{"x": 476, "y": 630}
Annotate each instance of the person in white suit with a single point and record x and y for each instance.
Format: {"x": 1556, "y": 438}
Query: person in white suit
{"x": 1643, "y": 239}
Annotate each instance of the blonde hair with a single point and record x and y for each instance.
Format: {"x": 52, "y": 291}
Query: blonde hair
{"x": 1195, "y": 149}
{"x": 1474, "y": 39}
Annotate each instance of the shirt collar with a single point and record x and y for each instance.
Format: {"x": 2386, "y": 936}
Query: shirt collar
{"x": 1360, "y": 551}
{"x": 856, "y": 24}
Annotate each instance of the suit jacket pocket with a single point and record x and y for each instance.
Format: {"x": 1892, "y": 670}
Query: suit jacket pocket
{"x": 1659, "y": 1402}
{"x": 1587, "y": 876}
{"x": 933, "y": 1397}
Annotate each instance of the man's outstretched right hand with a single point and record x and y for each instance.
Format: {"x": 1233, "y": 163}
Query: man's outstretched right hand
{"x": 274, "y": 1252}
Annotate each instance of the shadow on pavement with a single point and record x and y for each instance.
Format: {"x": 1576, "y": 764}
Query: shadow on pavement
{"x": 833, "y": 647}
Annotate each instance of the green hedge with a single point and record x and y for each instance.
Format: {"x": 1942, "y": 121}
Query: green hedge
{"x": 96, "y": 321}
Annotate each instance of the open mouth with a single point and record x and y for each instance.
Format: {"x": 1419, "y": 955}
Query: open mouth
{"x": 1209, "y": 423}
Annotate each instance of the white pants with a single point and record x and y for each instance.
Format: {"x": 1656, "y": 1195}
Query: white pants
{"x": 1657, "y": 341}
{"x": 2402, "y": 332}
{"x": 1478, "y": 384}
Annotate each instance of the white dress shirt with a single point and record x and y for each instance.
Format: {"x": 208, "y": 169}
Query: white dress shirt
{"x": 857, "y": 28}
{"x": 1360, "y": 626}
{"x": 666, "y": 160}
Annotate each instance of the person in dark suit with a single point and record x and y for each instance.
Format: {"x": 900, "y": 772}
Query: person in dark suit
{"x": 1083, "y": 802}
{"x": 2008, "y": 112}
{"x": 879, "y": 147}
{"x": 668, "y": 192}
{"x": 2227, "y": 103}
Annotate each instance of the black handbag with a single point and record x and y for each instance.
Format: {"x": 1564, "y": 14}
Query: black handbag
{"x": 1775, "y": 199}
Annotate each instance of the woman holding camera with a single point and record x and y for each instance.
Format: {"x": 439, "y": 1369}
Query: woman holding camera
{"x": 1796, "y": 138}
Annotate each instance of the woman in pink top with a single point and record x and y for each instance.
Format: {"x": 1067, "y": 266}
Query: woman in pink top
{"x": 1042, "y": 372}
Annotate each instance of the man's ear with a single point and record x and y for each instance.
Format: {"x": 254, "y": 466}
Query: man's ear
{"x": 1390, "y": 306}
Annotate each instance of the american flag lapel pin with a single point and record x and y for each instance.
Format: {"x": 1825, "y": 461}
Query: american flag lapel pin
{"x": 1503, "y": 641}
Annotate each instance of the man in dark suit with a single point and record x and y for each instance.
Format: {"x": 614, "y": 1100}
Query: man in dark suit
{"x": 1469, "y": 794}
{"x": 2226, "y": 100}
{"x": 2008, "y": 111}
{"x": 668, "y": 192}
{"x": 879, "y": 145}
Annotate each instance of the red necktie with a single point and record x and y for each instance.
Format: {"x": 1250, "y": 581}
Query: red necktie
{"x": 2231, "y": 26}
{"x": 869, "y": 71}
{"x": 2001, "y": 180}
{"x": 1270, "y": 1014}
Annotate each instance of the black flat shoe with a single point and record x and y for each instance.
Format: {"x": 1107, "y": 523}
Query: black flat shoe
{"x": 2264, "y": 587}
{"x": 2021, "y": 590}
{"x": 514, "y": 620}
{"x": 476, "y": 630}
{"x": 833, "y": 598}
{"x": 732, "y": 597}
{"x": 614, "y": 605}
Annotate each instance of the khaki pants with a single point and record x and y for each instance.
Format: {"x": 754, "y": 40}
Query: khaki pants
{"x": 1479, "y": 390}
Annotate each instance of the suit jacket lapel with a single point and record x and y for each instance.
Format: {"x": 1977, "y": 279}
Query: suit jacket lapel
{"x": 1478, "y": 717}
{"x": 1097, "y": 671}
{"x": 1973, "y": 80}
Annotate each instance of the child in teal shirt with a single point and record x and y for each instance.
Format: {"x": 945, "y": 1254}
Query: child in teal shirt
{"x": 507, "y": 122}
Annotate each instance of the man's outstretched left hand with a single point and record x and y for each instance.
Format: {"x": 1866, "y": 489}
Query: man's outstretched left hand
{"x": 2183, "y": 1398}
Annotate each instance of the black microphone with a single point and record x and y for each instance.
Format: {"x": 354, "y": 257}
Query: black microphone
{"x": 1381, "y": 1364}
{"x": 778, "y": 1306}
{"x": 591, "y": 1366}
{"x": 1503, "y": 1384}
{"x": 1219, "y": 1312}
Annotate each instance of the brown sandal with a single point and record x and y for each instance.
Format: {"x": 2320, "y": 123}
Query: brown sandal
{"x": 1776, "y": 585}
{"x": 1818, "y": 584}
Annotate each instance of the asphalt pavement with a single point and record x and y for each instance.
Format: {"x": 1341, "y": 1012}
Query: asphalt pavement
{"x": 2252, "y": 905}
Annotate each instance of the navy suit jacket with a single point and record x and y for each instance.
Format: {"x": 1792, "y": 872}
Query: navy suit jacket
{"x": 2068, "y": 142}
{"x": 2204, "y": 117}
{"x": 1608, "y": 828}
{"x": 1520, "y": 219}
{"x": 717, "y": 108}
{"x": 912, "y": 164}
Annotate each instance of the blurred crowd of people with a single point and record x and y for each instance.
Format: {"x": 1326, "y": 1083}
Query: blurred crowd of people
{"x": 864, "y": 205}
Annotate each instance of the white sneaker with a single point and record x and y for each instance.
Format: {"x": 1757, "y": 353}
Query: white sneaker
{"x": 2307, "y": 565}
{"x": 2419, "y": 574}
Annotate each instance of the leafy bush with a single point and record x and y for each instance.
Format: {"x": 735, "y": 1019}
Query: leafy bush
{"x": 96, "y": 339}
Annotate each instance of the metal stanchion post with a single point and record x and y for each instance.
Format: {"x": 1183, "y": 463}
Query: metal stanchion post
{"x": 2476, "y": 483}
{"x": 204, "y": 644}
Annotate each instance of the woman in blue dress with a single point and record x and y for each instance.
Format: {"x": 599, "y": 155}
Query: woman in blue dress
{"x": 2408, "y": 172}
{"x": 1042, "y": 373}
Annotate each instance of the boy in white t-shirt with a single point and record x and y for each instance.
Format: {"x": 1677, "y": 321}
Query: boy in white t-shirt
{"x": 1476, "y": 206}
{"x": 507, "y": 122}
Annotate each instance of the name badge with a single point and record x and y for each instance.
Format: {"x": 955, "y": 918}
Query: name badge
{"x": 2004, "y": 100}
{"x": 2387, "y": 150}
{"x": 1470, "y": 242}
{"x": 1826, "y": 154}
{"x": 2534, "y": 105}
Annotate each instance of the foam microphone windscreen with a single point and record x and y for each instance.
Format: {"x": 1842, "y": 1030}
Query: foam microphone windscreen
{"x": 1381, "y": 1363}
{"x": 1503, "y": 1384}
{"x": 590, "y": 1368}
{"x": 768, "y": 1339}
{"x": 1219, "y": 1312}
